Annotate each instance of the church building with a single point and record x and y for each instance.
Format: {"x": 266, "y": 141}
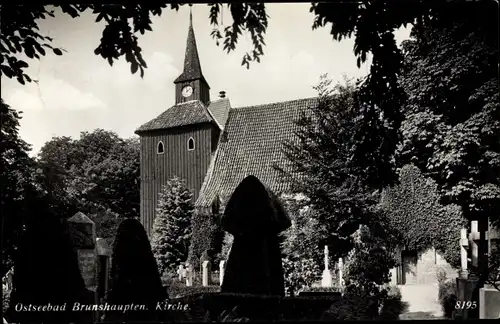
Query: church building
{"x": 213, "y": 147}
{"x": 209, "y": 144}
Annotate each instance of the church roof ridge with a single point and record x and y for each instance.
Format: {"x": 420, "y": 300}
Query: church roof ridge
{"x": 277, "y": 103}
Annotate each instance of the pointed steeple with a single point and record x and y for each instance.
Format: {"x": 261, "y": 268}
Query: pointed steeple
{"x": 192, "y": 66}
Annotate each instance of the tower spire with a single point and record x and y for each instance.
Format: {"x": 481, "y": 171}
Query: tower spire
{"x": 192, "y": 66}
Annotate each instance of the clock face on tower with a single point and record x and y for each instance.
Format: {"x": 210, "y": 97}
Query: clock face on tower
{"x": 187, "y": 91}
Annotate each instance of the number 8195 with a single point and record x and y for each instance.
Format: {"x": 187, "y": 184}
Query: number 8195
{"x": 466, "y": 305}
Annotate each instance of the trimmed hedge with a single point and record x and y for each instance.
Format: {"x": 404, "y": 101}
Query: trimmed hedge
{"x": 220, "y": 306}
{"x": 178, "y": 289}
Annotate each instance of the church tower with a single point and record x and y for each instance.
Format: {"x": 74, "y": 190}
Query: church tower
{"x": 181, "y": 141}
{"x": 191, "y": 84}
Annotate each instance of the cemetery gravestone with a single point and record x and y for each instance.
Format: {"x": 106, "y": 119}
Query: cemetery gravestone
{"x": 104, "y": 265}
{"x": 222, "y": 268}
{"x": 189, "y": 275}
{"x": 83, "y": 238}
{"x": 205, "y": 273}
{"x": 181, "y": 272}
{"x": 255, "y": 217}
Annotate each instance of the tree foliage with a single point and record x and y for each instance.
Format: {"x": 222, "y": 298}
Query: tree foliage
{"x": 367, "y": 272}
{"x": 453, "y": 111}
{"x": 172, "y": 225}
{"x": 46, "y": 271}
{"x": 322, "y": 168}
{"x": 97, "y": 174}
{"x": 16, "y": 179}
{"x": 301, "y": 247}
{"x": 372, "y": 23}
{"x": 416, "y": 218}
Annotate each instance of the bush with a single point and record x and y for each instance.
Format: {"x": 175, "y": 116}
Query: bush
{"x": 62, "y": 281}
{"x": 220, "y": 306}
{"x": 367, "y": 272}
{"x": 134, "y": 273}
{"x": 392, "y": 306}
{"x": 172, "y": 225}
{"x": 5, "y": 299}
{"x": 448, "y": 297}
{"x": 178, "y": 289}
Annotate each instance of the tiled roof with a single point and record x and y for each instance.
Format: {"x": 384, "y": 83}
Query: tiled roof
{"x": 220, "y": 110}
{"x": 182, "y": 114}
{"x": 251, "y": 144}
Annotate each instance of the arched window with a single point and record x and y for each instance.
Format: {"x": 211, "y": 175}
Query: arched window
{"x": 190, "y": 144}
{"x": 161, "y": 148}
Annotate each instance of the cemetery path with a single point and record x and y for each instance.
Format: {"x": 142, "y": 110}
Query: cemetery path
{"x": 422, "y": 302}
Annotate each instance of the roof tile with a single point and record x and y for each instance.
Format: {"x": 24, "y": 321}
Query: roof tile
{"x": 182, "y": 114}
{"x": 252, "y": 145}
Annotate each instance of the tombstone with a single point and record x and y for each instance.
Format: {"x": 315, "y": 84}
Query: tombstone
{"x": 326, "y": 279}
{"x": 205, "y": 273}
{"x": 222, "y": 268}
{"x": 83, "y": 237}
{"x": 255, "y": 217}
{"x": 104, "y": 252}
{"x": 204, "y": 257}
{"x": 341, "y": 273}
{"x": 464, "y": 245}
{"x": 181, "y": 272}
{"x": 189, "y": 275}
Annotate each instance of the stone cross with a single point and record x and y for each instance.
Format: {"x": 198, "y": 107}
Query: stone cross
{"x": 474, "y": 237}
{"x": 222, "y": 268}
{"x": 189, "y": 274}
{"x": 205, "y": 273}
{"x": 341, "y": 270}
{"x": 464, "y": 245}
{"x": 326, "y": 279}
{"x": 326, "y": 257}
{"x": 181, "y": 272}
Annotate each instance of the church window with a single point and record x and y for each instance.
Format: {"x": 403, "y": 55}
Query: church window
{"x": 190, "y": 144}
{"x": 161, "y": 148}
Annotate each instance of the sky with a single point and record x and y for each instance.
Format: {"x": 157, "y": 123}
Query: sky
{"x": 80, "y": 91}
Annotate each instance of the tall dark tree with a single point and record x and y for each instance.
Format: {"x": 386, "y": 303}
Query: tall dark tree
{"x": 322, "y": 168}
{"x": 453, "y": 114}
{"x": 46, "y": 271}
{"x": 16, "y": 183}
{"x": 134, "y": 275}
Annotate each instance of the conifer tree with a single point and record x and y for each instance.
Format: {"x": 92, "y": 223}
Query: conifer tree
{"x": 172, "y": 226}
{"x": 134, "y": 274}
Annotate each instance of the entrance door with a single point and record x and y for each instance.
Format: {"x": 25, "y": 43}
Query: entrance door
{"x": 409, "y": 264}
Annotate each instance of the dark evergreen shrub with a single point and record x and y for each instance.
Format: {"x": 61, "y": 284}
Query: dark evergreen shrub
{"x": 46, "y": 271}
{"x": 134, "y": 273}
{"x": 172, "y": 226}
